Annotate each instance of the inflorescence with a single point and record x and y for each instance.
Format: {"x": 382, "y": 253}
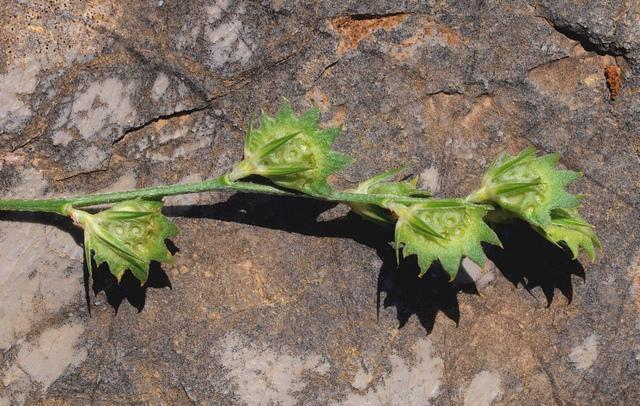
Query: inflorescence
{"x": 295, "y": 154}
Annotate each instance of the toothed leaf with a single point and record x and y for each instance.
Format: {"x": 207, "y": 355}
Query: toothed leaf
{"x": 127, "y": 236}
{"x": 383, "y": 185}
{"x": 292, "y": 151}
{"x": 567, "y": 227}
{"x": 530, "y": 187}
{"x": 443, "y": 230}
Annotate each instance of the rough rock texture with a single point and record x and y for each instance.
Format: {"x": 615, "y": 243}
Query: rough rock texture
{"x": 269, "y": 305}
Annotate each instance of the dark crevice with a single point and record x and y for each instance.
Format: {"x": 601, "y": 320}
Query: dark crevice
{"x": 376, "y": 16}
{"x": 581, "y": 34}
{"x": 548, "y": 63}
{"x": 176, "y": 114}
{"x": 448, "y": 92}
{"x": 552, "y": 381}
{"x": 588, "y": 43}
{"x": 325, "y": 69}
{"x": 102, "y": 168}
{"x": 195, "y": 87}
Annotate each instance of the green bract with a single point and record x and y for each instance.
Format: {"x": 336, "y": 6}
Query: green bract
{"x": 444, "y": 230}
{"x": 291, "y": 151}
{"x": 129, "y": 235}
{"x": 530, "y": 187}
{"x": 382, "y": 185}
{"x": 568, "y": 227}
{"x": 296, "y": 155}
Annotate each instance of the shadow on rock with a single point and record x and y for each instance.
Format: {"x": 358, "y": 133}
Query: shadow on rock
{"x": 528, "y": 259}
{"x": 129, "y": 287}
{"x": 50, "y": 219}
{"x": 410, "y": 295}
{"x": 424, "y": 297}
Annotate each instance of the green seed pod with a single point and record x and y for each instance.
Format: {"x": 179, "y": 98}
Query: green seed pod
{"x": 443, "y": 230}
{"x": 127, "y": 236}
{"x": 530, "y": 187}
{"x": 291, "y": 151}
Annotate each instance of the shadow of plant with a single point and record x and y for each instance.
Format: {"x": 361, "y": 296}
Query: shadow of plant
{"x": 129, "y": 287}
{"x": 424, "y": 297}
{"x": 527, "y": 258}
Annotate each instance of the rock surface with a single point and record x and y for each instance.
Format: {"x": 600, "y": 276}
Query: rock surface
{"x": 268, "y": 306}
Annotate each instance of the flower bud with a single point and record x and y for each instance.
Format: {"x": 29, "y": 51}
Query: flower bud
{"x": 381, "y": 185}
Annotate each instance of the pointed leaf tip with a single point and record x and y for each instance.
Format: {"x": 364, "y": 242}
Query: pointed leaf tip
{"x": 568, "y": 228}
{"x": 289, "y": 141}
{"x": 127, "y": 236}
{"x": 527, "y": 186}
{"x": 459, "y": 224}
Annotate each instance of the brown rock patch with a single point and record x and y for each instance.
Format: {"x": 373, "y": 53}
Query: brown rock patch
{"x": 449, "y": 35}
{"x": 442, "y": 34}
{"x": 613, "y": 74}
{"x": 577, "y": 80}
{"x": 353, "y": 30}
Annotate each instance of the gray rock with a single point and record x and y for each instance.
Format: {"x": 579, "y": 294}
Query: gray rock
{"x": 267, "y": 305}
{"x": 473, "y": 274}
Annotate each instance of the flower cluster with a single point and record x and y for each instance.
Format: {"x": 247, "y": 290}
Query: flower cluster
{"x": 295, "y": 154}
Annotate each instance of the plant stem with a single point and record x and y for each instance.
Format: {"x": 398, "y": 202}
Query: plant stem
{"x": 63, "y": 205}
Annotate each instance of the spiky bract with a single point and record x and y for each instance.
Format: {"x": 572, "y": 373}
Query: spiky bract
{"x": 293, "y": 152}
{"x": 569, "y": 228}
{"x": 128, "y": 235}
{"x": 528, "y": 186}
{"x": 443, "y": 230}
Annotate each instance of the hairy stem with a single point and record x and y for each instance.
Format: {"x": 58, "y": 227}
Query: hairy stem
{"x": 63, "y": 205}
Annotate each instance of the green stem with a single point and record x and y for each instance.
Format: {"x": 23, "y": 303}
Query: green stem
{"x": 63, "y": 205}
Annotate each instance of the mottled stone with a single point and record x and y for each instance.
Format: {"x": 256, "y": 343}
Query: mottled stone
{"x": 585, "y": 354}
{"x": 483, "y": 389}
{"x": 278, "y": 300}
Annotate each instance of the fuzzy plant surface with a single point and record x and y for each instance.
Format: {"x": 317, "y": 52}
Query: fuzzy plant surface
{"x": 127, "y": 236}
{"x": 296, "y": 154}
